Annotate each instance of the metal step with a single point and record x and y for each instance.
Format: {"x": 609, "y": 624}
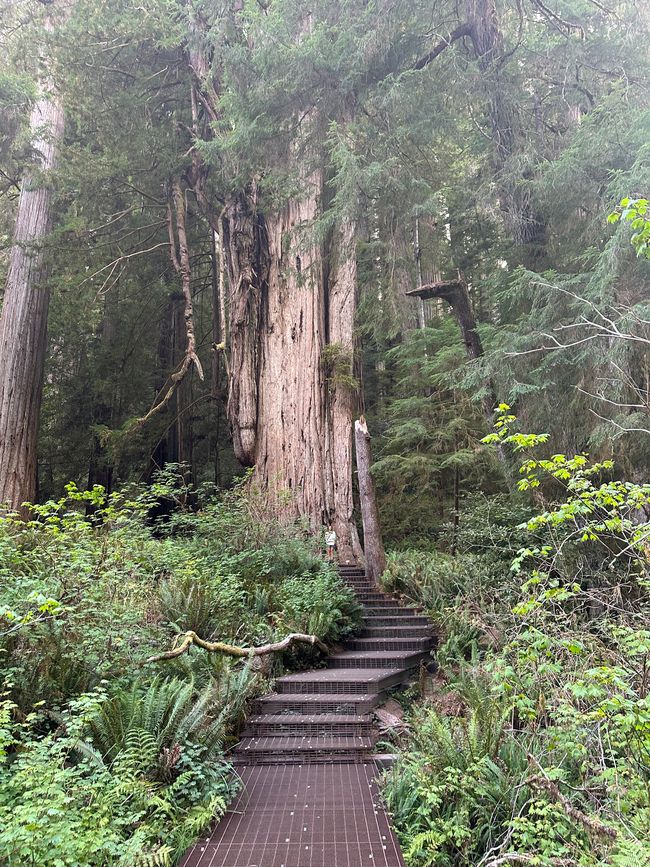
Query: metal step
{"x": 406, "y": 631}
{"x": 370, "y": 620}
{"x": 331, "y": 680}
{"x": 305, "y": 751}
{"x": 387, "y": 609}
{"x": 309, "y": 725}
{"x": 404, "y": 659}
{"x": 415, "y": 644}
{"x": 375, "y": 595}
{"x": 318, "y": 703}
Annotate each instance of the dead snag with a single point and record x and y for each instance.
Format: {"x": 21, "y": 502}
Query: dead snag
{"x": 372, "y": 543}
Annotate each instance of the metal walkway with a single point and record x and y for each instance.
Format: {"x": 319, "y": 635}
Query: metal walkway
{"x": 309, "y": 798}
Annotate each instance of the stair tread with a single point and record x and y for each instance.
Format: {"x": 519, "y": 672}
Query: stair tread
{"x": 329, "y": 674}
{"x": 302, "y": 718}
{"x": 306, "y": 743}
{"x": 321, "y": 697}
{"x": 374, "y": 654}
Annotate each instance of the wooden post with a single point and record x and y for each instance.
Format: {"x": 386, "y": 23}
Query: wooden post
{"x": 372, "y": 543}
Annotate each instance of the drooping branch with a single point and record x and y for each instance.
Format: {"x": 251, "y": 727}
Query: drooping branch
{"x": 191, "y": 638}
{"x": 181, "y": 262}
{"x": 456, "y": 294}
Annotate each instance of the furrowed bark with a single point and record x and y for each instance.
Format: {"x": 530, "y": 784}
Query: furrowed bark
{"x": 375, "y": 556}
{"x": 292, "y": 306}
{"x": 23, "y": 321}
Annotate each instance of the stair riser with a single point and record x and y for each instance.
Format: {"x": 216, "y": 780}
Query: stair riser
{"x": 385, "y": 609}
{"x": 408, "y": 620}
{"x": 396, "y": 662}
{"x": 416, "y": 644}
{"x": 350, "y": 687}
{"x": 396, "y": 632}
{"x": 308, "y": 730}
{"x": 355, "y": 707}
{"x": 330, "y": 758}
{"x": 372, "y": 596}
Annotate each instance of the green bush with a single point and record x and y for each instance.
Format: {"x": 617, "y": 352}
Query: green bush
{"x": 547, "y": 653}
{"x": 107, "y": 759}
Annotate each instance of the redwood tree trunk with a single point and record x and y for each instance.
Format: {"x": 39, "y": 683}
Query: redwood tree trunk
{"x": 23, "y": 322}
{"x": 292, "y": 306}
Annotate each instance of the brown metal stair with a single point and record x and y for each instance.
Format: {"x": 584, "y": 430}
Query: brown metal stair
{"x": 323, "y": 716}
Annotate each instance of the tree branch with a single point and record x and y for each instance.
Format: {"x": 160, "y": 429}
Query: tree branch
{"x": 190, "y": 638}
{"x": 181, "y": 263}
{"x": 591, "y": 824}
{"x": 462, "y": 30}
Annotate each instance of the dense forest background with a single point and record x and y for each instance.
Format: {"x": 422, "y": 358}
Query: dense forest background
{"x": 228, "y": 229}
{"x": 494, "y": 141}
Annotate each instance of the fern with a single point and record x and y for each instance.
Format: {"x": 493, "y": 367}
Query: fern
{"x": 631, "y": 853}
{"x": 160, "y": 858}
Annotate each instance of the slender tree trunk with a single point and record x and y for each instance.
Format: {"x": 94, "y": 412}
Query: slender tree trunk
{"x": 100, "y": 467}
{"x": 23, "y": 322}
{"x": 373, "y": 546}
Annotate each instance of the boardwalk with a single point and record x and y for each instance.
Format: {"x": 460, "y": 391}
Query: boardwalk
{"x": 302, "y": 816}
{"x": 309, "y": 796}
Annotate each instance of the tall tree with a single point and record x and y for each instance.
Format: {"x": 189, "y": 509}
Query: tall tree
{"x": 23, "y": 322}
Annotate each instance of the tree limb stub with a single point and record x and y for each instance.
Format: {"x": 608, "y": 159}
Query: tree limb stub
{"x": 190, "y": 638}
{"x": 430, "y": 56}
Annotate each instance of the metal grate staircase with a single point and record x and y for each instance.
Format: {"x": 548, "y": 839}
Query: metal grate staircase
{"x": 324, "y": 716}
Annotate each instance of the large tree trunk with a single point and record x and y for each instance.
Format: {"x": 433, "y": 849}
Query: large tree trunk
{"x": 23, "y": 322}
{"x": 291, "y": 390}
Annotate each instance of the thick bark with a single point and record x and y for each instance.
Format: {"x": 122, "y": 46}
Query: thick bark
{"x": 373, "y": 546}
{"x": 23, "y": 322}
{"x": 292, "y": 304}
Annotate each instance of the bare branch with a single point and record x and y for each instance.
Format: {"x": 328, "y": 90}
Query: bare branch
{"x": 591, "y": 824}
{"x": 429, "y": 57}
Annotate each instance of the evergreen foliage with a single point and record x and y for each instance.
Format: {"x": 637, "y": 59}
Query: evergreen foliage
{"x": 503, "y": 145}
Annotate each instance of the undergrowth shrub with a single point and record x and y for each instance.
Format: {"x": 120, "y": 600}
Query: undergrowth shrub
{"x": 543, "y": 756}
{"x": 107, "y": 759}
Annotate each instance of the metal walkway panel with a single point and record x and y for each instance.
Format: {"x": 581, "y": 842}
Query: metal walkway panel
{"x": 302, "y": 816}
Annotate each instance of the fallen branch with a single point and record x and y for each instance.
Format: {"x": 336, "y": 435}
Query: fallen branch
{"x": 520, "y": 858}
{"x": 190, "y": 638}
{"x": 590, "y": 823}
